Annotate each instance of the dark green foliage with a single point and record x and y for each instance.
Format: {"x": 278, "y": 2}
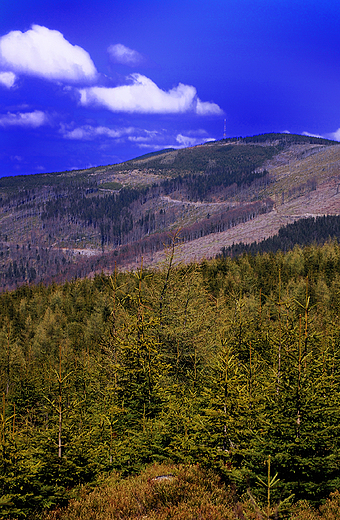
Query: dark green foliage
{"x": 286, "y": 139}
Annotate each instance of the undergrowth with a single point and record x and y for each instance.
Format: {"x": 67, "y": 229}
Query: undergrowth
{"x": 166, "y": 492}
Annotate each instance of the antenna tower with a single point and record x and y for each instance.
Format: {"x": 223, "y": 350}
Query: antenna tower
{"x": 225, "y": 129}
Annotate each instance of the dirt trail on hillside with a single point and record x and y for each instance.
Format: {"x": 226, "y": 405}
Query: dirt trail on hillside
{"x": 208, "y": 205}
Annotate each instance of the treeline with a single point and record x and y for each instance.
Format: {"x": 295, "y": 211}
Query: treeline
{"x": 215, "y": 182}
{"x": 286, "y": 139}
{"x": 222, "y": 364}
{"x": 14, "y": 185}
{"x": 302, "y": 232}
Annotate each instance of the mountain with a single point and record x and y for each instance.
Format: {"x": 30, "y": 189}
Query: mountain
{"x": 58, "y": 226}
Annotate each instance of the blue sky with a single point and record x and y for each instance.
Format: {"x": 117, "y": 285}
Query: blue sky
{"x": 87, "y": 83}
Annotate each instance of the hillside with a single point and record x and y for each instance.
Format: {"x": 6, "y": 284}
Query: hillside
{"x": 72, "y": 224}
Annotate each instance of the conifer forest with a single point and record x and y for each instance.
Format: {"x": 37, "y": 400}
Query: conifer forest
{"x": 232, "y": 364}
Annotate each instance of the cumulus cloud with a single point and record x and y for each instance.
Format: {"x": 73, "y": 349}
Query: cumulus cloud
{"x": 121, "y": 54}
{"x": 25, "y": 119}
{"x": 205, "y": 108}
{"x": 88, "y": 132}
{"x": 144, "y": 96}
{"x": 7, "y": 79}
{"x": 45, "y": 53}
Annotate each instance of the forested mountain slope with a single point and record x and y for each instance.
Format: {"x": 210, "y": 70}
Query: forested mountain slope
{"x": 73, "y": 224}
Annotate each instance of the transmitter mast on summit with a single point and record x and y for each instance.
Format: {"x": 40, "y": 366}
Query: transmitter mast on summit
{"x": 225, "y": 129}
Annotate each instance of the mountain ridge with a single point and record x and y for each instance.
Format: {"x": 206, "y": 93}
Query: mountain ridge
{"x": 73, "y": 224}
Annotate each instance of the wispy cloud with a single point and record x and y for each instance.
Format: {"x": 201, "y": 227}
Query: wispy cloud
{"x": 121, "y": 54}
{"x": 185, "y": 140}
{"x": 25, "y": 119}
{"x": 45, "y": 53}
{"x": 156, "y": 140}
{"x": 7, "y": 79}
{"x": 308, "y": 134}
{"x": 141, "y": 137}
{"x": 89, "y": 132}
{"x": 144, "y": 96}
{"x": 146, "y": 137}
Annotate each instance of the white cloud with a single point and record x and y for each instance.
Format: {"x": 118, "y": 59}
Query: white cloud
{"x": 146, "y": 137}
{"x": 312, "y": 135}
{"x": 25, "y": 119}
{"x": 334, "y": 135}
{"x": 121, "y": 54}
{"x": 45, "y": 53}
{"x": 88, "y": 132}
{"x": 144, "y": 96}
{"x": 157, "y": 140}
{"x": 141, "y": 137}
{"x": 7, "y": 79}
{"x": 185, "y": 141}
{"x": 205, "y": 108}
